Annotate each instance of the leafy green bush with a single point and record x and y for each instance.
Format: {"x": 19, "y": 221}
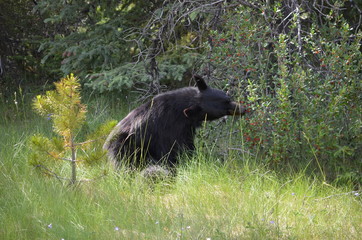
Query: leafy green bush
{"x": 303, "y": 84}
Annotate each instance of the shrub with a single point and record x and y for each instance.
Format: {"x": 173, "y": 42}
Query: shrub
{"x": 303, "y": 84}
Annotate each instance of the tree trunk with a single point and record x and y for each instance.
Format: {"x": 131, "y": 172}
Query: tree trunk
{"x": 73, "y": 162}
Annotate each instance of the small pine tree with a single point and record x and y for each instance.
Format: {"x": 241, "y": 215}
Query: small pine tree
{"x": 63, "y": 106}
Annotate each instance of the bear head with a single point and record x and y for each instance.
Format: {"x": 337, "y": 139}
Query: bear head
{"x": 212, "y": 104}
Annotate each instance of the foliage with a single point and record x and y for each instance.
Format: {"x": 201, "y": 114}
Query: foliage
{"x": 22, "y": 31}
{"x": 118, "y": 45}
{"x": 302, "y": 82}
{"x": 129, "y": 75}
{"x": 99, "y": 42}
{"x": 63, "y": 106}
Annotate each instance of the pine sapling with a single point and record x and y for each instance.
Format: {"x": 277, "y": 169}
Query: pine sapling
{"x": 63, "y": 106}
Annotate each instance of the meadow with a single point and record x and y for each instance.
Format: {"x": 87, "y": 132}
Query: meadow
{"x": 213, "y": 196}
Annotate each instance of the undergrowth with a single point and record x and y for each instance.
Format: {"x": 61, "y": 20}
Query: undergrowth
{"x": 229, "y": 195}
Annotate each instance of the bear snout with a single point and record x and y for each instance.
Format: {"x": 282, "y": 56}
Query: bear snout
{"x": 236, "y": 109}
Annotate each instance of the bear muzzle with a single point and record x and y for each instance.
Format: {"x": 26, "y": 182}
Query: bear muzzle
{"x": 236, "y": 109}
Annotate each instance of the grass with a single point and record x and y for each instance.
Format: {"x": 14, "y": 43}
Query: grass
{"x": 237, "y": 199}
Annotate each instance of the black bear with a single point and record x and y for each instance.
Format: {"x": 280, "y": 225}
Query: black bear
{"x": 158, "y": 130}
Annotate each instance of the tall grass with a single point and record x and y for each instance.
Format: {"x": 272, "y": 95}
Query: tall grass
{"x": 209, "y": 199}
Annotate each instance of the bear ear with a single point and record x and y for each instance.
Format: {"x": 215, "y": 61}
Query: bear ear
{"x": 192, "y": 111}
{"x": 200, "y": 82}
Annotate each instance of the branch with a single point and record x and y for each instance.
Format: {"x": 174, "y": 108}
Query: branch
{"x": 166, "y": 21}
{"x": 287, "y": 17}
{"x": 64, "y": 159}
{"x": 299, "y": 27}
{"x": 360, "y": 15}
{"x": 248, "y": 4}
{"x": 89, "y": 141}
{"x": 48, "y": 171}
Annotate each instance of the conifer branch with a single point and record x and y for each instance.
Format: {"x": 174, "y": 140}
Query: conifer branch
{"x": 50, "y": 172}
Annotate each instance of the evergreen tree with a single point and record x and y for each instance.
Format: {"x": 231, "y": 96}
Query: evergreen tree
{"x": 63, "y": 106}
